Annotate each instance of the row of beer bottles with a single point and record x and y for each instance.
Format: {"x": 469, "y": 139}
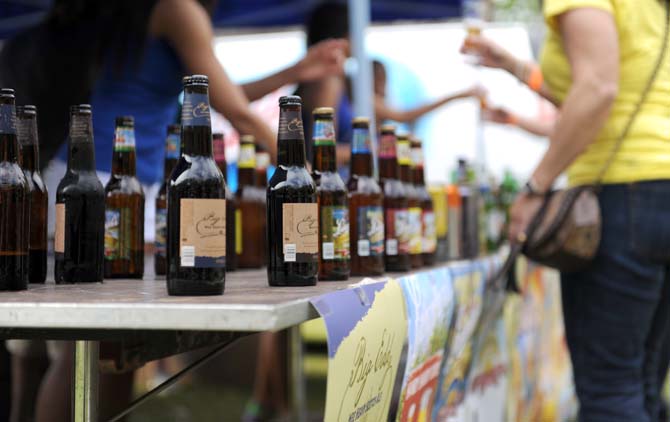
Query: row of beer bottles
{"x": 362, "y": 228}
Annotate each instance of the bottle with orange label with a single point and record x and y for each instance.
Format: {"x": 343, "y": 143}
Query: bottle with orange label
{"x": 292, "y": 209}
{"x": 196, "y": 252}
{"x": 454, "y": 229}
{"x": 428, "y": 234}
{"x": 232, "y": 213}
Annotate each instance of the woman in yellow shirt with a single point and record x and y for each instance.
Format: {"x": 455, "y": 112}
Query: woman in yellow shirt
{"x": 597, "y": 59}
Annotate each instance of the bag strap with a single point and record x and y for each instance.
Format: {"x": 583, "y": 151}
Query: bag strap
{"x": 638, "y": 106}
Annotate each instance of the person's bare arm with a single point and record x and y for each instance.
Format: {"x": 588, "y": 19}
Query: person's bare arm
{"x": 535, "y": 126}
{"x": 187, "y": 27}
{"x": 491, "y": 54}
{"x": 321, "y": 61}
{"x": 590, "y": 40}
{"x": 384, "y": 112}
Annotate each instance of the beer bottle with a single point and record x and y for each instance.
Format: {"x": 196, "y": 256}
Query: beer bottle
{"x": 14, "y": 201}
{"x": 292, "y": 210}
{"x": 334, "y": 248}
{"x": 232, "y": 218}
{"x": 124, "y": 208}
{"x": 80, "y": 207}
{"x": 396, "y": 252}
{"x": 439, "y": 196}
{"x": 196, "y": 242}
{"x": 366, "y": 201}
{"x": 39, "y": 198}
{"x": 250, "y": 239}
{"x": 262, "y": 164}
{"x": 414, "y": 204}
{"x": 429, "y": 236}
{"x": 455, "y": 219}
{"x": 171, "y": 156}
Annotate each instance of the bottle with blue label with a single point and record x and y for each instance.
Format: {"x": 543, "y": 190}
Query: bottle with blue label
{"x": 80, "y": 207}
{"x": 196, "y": 240}
{"x": 172, "y": 142}
{"x": 334, "y": 243}
{"x": 124, "y": 207}
{"x": 366, "y": 206}
{"x": 14, "y": 201}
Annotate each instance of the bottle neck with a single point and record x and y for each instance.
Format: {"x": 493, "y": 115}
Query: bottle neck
{"x": 81, "y": 152}
{"x": 418, "y": 176}
{"x": 246, "y": 165}
{"x": 196, "y": 131}
{"x": 262, "y": 163}
{"x": 388, "y": 168}
{"x": 418, "y": 166}
{"x": 325, "y": 158}
{"x": 291, "y": 137}
{"x": 27, "y": 135}
{"x": 361, "y": 164}
{"x": 171, "y": 154}
{"x": 124, "y": 157}
{"x": 404, "y": 160}
{"x": 168, "y": 166}
{"x": 9, "y": 144}
{"x": 361, "y": 157}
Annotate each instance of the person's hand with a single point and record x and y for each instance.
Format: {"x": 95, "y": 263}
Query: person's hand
{"x": 489, "y": 53}
{"x": 498, "y": 115}
{"x": 323, "y": 59}
{"x": 523, "y": 210}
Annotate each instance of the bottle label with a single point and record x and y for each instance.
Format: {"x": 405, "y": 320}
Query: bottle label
{"x": 404, "y": 153}
{"x": 161, "y": 232}
{"x": 397, "y": 232}
{"x": 7, "y": 119}
{"x": 59, "y": 239}
{"x": 300, "y": 232}
{"x": 290, "y": 125}
{"x": 202, "y": 233}
{"x": 370, "y": 231}
{"x": 26, "y": 131}
{"x": 238, "y": 232}
{"x": 219, "y": 150}
{"x": 124, "y": 139}
{"x": 247, "y": 158}
{"x": 429, "y": 233}
{"x": 360, "y": 141}
{"x": 117, "y": 233}
{"x": 324, "y": 133}
{"x": 415, "y": 235}
{"x": 172, "y": 145}
{"x": 335, "y": 233}
{"x": 195, "y": 110}
{"x": 387, "y": 146}
{"x": 417, "y": 157}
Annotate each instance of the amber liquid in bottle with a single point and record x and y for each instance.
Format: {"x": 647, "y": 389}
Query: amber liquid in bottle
{"x": 366, "y": 202}
{"x": 219, "y": 145}
{"x": 396, "y": 251}
{"x": 39, "y": 198}
{"x": 250, "y": 240}
{"x": 171, "y": 156}
{"x": 292, "y": 209}
{"x": 413, "y": 203}
{"x": 124, "y": 208}
{"x": 334, "y": 242}
{"x": 429, "y": 236}
{"x": 80, "y": 207}
{"x": 196, "y": 242}
{"x": 262, "y": 163}
{"x": 14, "y": 202}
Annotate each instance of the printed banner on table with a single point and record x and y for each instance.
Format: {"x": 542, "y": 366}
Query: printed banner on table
{"x": 468, "y": 280}
{"x": 366, "y": 328}
{"x": 429, "y": 300}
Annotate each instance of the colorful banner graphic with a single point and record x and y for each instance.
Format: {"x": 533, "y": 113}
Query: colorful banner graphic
{"x": 364, "y": 345}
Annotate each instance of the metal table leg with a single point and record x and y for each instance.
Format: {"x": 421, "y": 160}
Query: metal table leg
{"x": 296, "y": 376}
{"x": 85, "y": 383}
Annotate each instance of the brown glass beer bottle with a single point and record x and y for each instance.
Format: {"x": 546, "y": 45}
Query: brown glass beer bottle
{"x": 171, "y": 156}
{"x": 366, "y": 206}
{"x": 39, "y": 198}
{"x": 250, "y": 243}
{"x": 80, "y": 207}
{"x": 334, "y": 247}
{"x": 292, "y": 209}
{"x": 196, "y": 243}
{"x": 396, "y": 215}
{"x": 428, "y": 233}
{"x": 14, "y": 201}
{"x": 414, "y": 204}
{"x": 219, "y": 146}
{"x": 124, "y": 208}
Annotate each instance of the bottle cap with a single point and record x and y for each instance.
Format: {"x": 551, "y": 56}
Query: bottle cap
{"x": 290, "y": 99}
